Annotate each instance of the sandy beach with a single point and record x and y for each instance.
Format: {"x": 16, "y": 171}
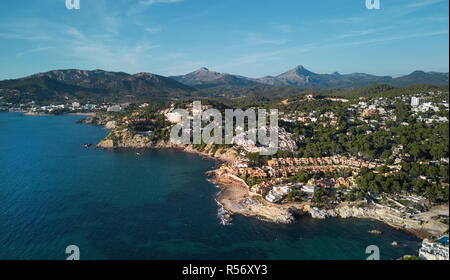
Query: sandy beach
{"x": 236, "y": 199}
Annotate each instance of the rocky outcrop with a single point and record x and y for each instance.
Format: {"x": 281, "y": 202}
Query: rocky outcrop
{"x": 373, "y": 211}
{"x": 100, "y": 120}
{"x": 106, "y": 144}
{"x": 342, "y": 212}
{"x": 317, "y": 213}
{"x": 125, "y": 139}
{"x": 110, "y": 125}
{"x": 227, "y": 155}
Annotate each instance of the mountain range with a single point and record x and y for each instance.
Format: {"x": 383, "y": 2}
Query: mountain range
{"x": 99, "y": 85}
{"x": 96, "y": 85}
{"x": 302, "y": 77}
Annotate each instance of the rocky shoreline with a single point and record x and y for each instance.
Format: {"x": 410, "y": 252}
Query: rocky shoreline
{"x": 136, "y": 142}
{"x": 123, "y": 139}
{"x": 236, "y": 198}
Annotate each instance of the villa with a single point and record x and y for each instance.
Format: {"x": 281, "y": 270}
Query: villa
{"x": 308, "y": 189}
{"x": 278, "y": 193}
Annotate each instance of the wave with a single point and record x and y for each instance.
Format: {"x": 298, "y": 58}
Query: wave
{"x": 221, "y": 212}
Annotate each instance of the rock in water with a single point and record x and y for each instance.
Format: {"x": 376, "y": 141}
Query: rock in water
{"x": 395, "y": 244}
{"x": 374, "y": 231}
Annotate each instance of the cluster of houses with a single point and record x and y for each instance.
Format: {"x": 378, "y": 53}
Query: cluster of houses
{"x": 285, "y": 167}
{"x": 325, "y": 119}
{"x": 4, "y": 106}
{"x": 383, "y": 107}
{"x": 74, "y": 106}
{"x": 277, "y": 189}
{"x": 242, "y": 141}
{"x": 274, "y": 186}
{"x": 286, "y": 171}
{"x": 422, "y": 104}
{"x": 246, "y": 145}
{"x": 145, "y": 127}
{"x": 176, "y": 118}
{"x": 279, "y": 192}
{"x": 434, "y": 250}
{"x": 115, "y": 108}
{"x": 333, "y": 160}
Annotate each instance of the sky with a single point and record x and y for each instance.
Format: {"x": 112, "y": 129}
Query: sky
{"x": 253, "y": 38}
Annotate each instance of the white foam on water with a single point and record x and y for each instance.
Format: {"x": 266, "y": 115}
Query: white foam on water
{"x": 221, "y": 212}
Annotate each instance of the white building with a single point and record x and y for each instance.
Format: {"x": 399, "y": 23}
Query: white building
{"x": 433, "y": 251}
{"x": 76, "y": 105}
{"x": 308, "y": 189}
{"x": 415, "y": 101}
{"x": 174, "y": 117}
{"x": 278, "y": 193}
{"x": 90, "y": 106}
{"x": 115, "y": 108}
{"x": 240, "y": 164}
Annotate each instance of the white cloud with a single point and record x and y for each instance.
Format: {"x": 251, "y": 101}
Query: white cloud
{"x": 323, "y": 45}
{"x": 35, "y": 50}
{"x": 425, "y": 3}
{"x": 283, "y": 28}
{"x": 76, "y": 34}
{"x": 9, "y": 36}
{"x": 119, "y": 57}
{"x": 153, "y": 30}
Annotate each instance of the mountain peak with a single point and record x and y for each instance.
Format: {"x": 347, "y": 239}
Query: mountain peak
{"x": 143, "y": 74}
{"x": 298, "y": 75}
{"x": 300, "y": 71}
{"x": 418, "y": 72}
{"x": 202, "y": 70}
{"x": 200, "y": 76}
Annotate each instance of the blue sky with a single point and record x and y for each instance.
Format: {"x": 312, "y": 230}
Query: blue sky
{"x": 247, "y": 37}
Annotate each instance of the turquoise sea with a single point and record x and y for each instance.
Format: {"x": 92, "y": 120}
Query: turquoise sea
{"x": 119, "y": 205}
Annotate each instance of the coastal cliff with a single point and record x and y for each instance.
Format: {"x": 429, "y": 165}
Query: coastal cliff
{"x": 128, "y": 141}
{"x": 421, "y": 226}
{"x": 123, "y": 138}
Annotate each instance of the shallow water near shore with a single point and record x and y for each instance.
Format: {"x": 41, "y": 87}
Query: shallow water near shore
{"x": 156, "y": 205}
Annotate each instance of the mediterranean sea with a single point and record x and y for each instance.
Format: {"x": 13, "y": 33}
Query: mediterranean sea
{"x": 156, "y": 205}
